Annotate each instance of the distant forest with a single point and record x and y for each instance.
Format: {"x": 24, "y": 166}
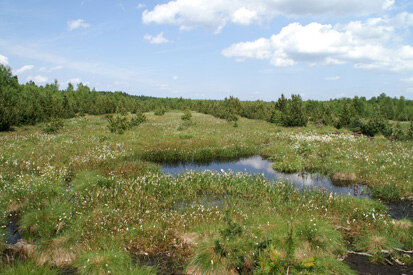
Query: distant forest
{"x": 30, "y": 104}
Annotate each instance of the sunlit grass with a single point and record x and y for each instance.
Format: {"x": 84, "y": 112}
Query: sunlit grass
{"x": 96, "y": 199}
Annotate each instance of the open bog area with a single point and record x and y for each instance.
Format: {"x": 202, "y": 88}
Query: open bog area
{"x": 206, "y": 137}
{"x": 88, "y": 200}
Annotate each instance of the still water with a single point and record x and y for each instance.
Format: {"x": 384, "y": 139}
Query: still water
{"x": 258, "y": 165}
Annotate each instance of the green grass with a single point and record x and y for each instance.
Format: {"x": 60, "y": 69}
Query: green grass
{"x": 95, "y": 201}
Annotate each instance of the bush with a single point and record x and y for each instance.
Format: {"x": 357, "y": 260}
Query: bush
{"x": 6, "y": 119}
{"x": 187, "y": 115}
{"x": 375, "y": 126}
{"x": 276, "y": 117}
{"x": 402, "y": 135}
{"x": 230, "y": 116}
{"x": 160, "y": 111}
{"x": 119, "y": 124}
{"x": 53, "y": 126}
{"x": 410, "y": 132}
{"x": 289, "y": 113}
{"x": 139, "y": 118}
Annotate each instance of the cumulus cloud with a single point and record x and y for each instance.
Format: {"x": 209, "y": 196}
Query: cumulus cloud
{"x": 39, "y": 79}
{"x": 373, "y": 44}
{"x": 159, "y": 39}
{"x": 215, "y": 14}
{"x": 244, "y": 16}
{"x": 76, "y": 24}
{"x": 24, "y": 69}
{"x": 4, "y": 60}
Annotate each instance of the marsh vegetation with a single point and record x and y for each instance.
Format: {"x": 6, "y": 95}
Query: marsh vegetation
{"x": 90, "y": 195}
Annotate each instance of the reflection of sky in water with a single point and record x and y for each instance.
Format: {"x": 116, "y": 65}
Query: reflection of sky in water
{"x": 257, "y": 165}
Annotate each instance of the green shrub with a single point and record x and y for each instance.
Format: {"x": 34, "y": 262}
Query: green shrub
{"x": 276, "y": 117}
{"x": 6, "y": 118}
{"x": 289, "y": 113}
{"x": 403, "y": 135}
{"x": 230, "y": 116}
{"x": 375, "y": 126}
{"x": 53, "y": 126}
{"x": 160, "y": 111}
{"x": 138, "y": 119}
{"x": 119, "y": 124}
{"x": 187, "y": 115}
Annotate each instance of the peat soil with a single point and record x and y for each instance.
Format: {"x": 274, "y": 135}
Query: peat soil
{"x": 363, "y": 266}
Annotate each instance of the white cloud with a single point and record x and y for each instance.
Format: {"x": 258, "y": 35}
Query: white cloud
{"x": 215, "y": 14}
{"x": 135, "y": 77}
{"x": 74, "y": 81}
{"x": 140, "y": 6}
{"x": 332, "y": 78}
{"x": 408, "y": 80}
{"x": 388, "y": 4}
{"x": 159, "y": 39}
{"x": 175, "y": 77}
{"x": 244, "y": 16}
{"x": 49, "y": 70}
{"x": 4, "y": 60}
{"x": 163, "y": 87}
{"x": 38, "y": 79}
{"x": 260, "y": 49}
{"x": 373, "y": 44}
{"x": 76, "y": 24}
{"x": 24, "y": 69}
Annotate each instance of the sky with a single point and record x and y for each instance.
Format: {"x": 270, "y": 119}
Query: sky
{"x": 212, "y": 49}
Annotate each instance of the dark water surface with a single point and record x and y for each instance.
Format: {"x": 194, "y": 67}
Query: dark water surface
{"x": 258, "y": 165}
{"x": 13, "y": 235}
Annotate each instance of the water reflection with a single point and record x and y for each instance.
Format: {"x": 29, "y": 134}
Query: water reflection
{"x": 256, "y": 164}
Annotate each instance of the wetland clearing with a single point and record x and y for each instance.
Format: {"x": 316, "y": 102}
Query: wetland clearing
{"x": 86, "y": 200}
{"x": 199, "y": 137}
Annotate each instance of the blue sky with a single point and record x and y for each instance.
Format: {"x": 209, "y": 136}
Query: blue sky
{"x": 212, "y": 49}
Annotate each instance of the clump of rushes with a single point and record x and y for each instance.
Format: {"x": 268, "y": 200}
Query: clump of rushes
{"x": 230, "y": 252}
{"x": 198, "y": 155}
{"x": 27, "y": 267}
{"x": 110, "y": 261}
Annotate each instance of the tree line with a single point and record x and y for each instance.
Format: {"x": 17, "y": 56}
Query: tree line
{"x": 22, "y": 104}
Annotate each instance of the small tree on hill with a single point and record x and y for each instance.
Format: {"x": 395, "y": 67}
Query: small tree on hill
{"x": 290, "y": 113}
{"x": 187, "y": 115}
